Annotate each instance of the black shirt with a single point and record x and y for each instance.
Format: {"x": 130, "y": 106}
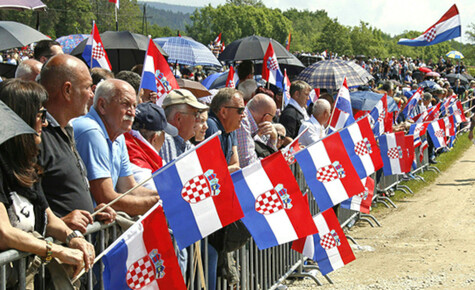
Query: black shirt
{"x": 64, "y": 179}
{"x": 291, "y": 118}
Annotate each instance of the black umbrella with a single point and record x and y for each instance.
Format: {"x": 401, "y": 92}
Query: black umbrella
{"x": 11, "y": 125}
{"x": 7, "y": 70}
{"x": 124, "y": 49}
{"x": 453, "y": 77}
{"x": 252, "y": 48}
{"x": 293, "y": 66}
{"x": 14, "y": 34}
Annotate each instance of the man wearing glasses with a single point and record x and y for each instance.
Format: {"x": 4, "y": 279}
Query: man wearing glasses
{"x": 183, "y": 112}
{"x": 226, "y": 113}
{"x": 256, "y": 126}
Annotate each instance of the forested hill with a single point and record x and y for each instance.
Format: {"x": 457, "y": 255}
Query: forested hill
{"x": 173, "y": 16}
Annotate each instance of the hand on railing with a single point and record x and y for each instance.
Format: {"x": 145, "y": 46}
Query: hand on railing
{"x": 106, "y": 216}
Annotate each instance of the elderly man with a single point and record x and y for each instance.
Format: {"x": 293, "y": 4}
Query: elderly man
{"x": 280, "y": 135}
{"x": 226, "y": 113}
{"x": 295, "y": 112}
{"x": 64, "y": 180}
{"x": 183, "y": 112}
{"x": 28, "y": 70}
{"x": 100, "y": 142}
{"x": 256, "y": 126}
{"x": 45, "y": 49}
{"x": 316, "y": 124}
{"x": 145, "y": 140}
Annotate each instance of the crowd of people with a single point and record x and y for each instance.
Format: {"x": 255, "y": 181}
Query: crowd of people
{"x": 99, "y": 136}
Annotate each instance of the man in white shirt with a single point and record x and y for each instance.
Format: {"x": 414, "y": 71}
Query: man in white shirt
{"x": 316, "y": 124}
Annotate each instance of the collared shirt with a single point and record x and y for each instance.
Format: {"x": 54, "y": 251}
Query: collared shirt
{"x": 299, "y": 108}
{"x": 228, "y": 140}
{"x": 246, "y": 136}
{"x": 314, "y": 133}
{"x": 64, "y": 178}
{"x": 173, "y": 147}
{"x": 292, "y": 117}
{"x": 102, "y": 157}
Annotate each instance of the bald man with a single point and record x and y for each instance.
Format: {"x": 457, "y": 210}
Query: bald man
{"x": 256, "y": 126}
{"x": 101, "y": 144}
{"x": 316, "y": 124}
{"x": 28, "y": 70}
{"x": 64, "y": 181}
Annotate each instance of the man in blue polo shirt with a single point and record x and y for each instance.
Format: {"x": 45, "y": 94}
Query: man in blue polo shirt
{"x": 100, "y": 142}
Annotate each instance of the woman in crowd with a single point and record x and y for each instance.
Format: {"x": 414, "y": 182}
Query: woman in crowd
{"x": 23, "y": 207}
{"x": 200, "y": 128}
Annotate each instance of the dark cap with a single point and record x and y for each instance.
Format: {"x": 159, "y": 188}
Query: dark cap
{"x": 149, "y": 116}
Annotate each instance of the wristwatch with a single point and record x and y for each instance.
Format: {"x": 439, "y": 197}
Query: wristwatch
{"x": 74, "y": 234}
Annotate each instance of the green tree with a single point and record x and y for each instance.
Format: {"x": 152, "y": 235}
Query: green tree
{"x": 306, "y": 28}
{"x": 334, "y": 38}
{"x": 367, "y": 41}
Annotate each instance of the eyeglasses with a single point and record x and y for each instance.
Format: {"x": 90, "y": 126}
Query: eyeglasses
{"x": 43, "y": 115}
{"x": 281, "y": 137}
{"x": 272, "y": 116}
{"x": 197, "y": 114}
{"x": 239, "y": 110}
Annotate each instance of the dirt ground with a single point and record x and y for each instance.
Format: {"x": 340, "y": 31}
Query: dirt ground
{"x": 427, "y": 242}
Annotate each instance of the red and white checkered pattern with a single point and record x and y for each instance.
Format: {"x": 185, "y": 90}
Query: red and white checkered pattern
{"x": 272, "y": 64}
{"x": 361, "y": 149}
{"x": 268, "y": 203}
{"x": 98, "y": 51}
{"x": 430, "y": 34}
{"x": 196, "y": 189}
{"x": 362, "y": 194}
{"x": 141, "y": 273}
{"x": 439, "y": 133}
{"x": 328, "y": 241}
{"x": 393, "y": 153}
{"x": 230, "y": 84}
{"x": 327, "y": 173}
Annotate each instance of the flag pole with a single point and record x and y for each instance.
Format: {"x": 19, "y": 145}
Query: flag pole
{"x": 155, "y": 173}
{"x": 116, "y": 21}
{"x": 333, "y": 111}
{"x": 92, "y": 34}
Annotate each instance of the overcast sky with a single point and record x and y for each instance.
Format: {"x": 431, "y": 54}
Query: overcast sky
{"x": 393, "y": 17}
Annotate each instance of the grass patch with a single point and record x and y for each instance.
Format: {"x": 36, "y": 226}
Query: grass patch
{"x": 445, "y": 160}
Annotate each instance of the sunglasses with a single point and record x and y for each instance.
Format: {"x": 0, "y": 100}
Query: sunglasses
{"x": 239, "y": 110}
{"x": 43, "y": 115}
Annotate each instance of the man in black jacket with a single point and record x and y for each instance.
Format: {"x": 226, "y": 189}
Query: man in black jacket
{"x": 295, "y": 112}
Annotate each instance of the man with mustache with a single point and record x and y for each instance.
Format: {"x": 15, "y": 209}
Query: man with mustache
{"x": 101, "y": 144}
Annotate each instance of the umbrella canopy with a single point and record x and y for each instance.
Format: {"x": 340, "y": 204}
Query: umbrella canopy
{"x": 293, "y": 66}
{"x": 216, "y": 80}
{"x": 11, "y": 124}
{"x": 195, "y": 87}
{"x": 367, "y": 100}
{"x": 454, "y": 54}
{"x": 187, "y": 51}
{"x": 14, "y": 34}
{"x": 433, "y": 74}
{"x": 252, "y": 48}
{"x": 452, "y": 77}
{"x": 69, "y": 42}
{"x": 429, "y": 84}
{"x": 22, "y": 4}
{"x": 124, "y": 49}
{"x": 425, "y": 69}
{"x": 329, "y": 74}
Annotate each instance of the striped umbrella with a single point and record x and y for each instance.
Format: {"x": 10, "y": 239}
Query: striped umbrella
{"x": 329, "y": 74}
{"x": 455, "y": 54}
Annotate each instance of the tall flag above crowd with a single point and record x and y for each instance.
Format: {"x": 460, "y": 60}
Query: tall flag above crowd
{"x": 94, "y": 53}
{"x": 156, "y": 75}
{"x": 287, "y": 41}
{"x": 270, "y": 68}
{"x": 448, "y": 27}
{"x": 116, "y": 3}
{"x": 342, "y": 115}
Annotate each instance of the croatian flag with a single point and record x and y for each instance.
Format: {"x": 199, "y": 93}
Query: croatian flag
{"x": 448, "y": 27}
{"x": 397, "y": 153}
{"x": 232, "y": 79}
{"x": 286, "y": 90}
{"x": 143, "y": 257}
{"x": 342, "y": 113}
{"x": 449, "y": 126}
{"x": 116, "y": 3}
{"x": 362, "y": 148}
{"x": 381, "y": 117}
{"x": 156, "y": 75}
{"x": 329, "y": 247}
{"x": 457, "y": 110}
{"x": 294, "y": 147}
{"x": 446, "y": 104}
{"x": 287, "y": 41}
{"x": 412, "y": 103}
{"x": 417, "y": 130}
{"x": 424, "y": 146}
{"x": 329, "y": 171}
{"x": 436, "y": 131}
{"x": 433, "y": 113}
{"x": 198, "y": 193}
{"x": 362, "y": 201}
{"x": 313, "y": 96}
{"x": 275, "y": 211}
{"x": 217, "y": 41}
{"x": 270, "y": 68}
{"x": 94, "y": 50}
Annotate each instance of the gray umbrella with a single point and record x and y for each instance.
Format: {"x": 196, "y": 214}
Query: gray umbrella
{"x": 124, "y": 49}
{"x": 14, "y": 34}
{"x": 11, "y": 125}
{"x": 22, "y": 4}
